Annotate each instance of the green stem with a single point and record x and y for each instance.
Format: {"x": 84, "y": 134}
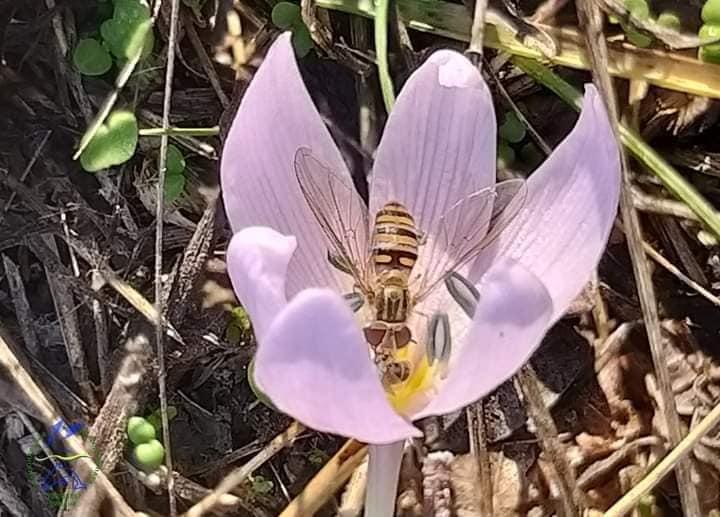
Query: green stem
{"x": 673, "y": 181}
{"x": 180, "y": 131}
{"x": 381, "y": 44}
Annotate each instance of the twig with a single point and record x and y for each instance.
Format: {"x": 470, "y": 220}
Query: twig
{"x": 657, "y": 257}
{"x": 205, "y": 60}
{"x": 478, "y": 448}
{"x": 44, "y": 247}
{"x": 381, "y": 53}
{"x": 450, "y": 20}
{"x": 44, "y": 410}
{"x": 662, "y": 206}
{"x": 477, "y": 33}
{"x": 628, "y": 501}
{"x": 238, "y": 476}
{"x": 591, "y": 18}
{"x": 28, "y": 168}
{"x": 353, "y": 497}
{"x": 548, "y": 439}
{"x": 326, "y": 482}
{"x": 671, "y": 178}
{"x": 159, "y": 208}
{"x": 23, "y": 312}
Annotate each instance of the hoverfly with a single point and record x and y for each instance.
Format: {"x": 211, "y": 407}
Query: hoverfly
{"x": 382, "y": 257}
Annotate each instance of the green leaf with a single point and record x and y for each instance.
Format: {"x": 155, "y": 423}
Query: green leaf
{"x": 175, "y": 161}
{"x": 285, "y": 15}
{"x": 636, "y": 37}
{"x": 711, "y": 12}
{"x": 91, "y": 58}
{"x": 670, "y": 19}
{"x": 260, "y": 485}
{"x": 301, "y": 40}
{"x": 114, "y": 142}
{"x": 512, "y": 129}
{"x": 129, "y": 30}
{"x": 639, "y": 8}
{"x": 156, "y": 420}
{"x": 174, "y": 187}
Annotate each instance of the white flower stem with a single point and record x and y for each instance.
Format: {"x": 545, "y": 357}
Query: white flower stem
{"x": 383, "y": 471}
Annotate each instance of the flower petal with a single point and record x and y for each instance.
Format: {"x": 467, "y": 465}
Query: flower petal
{"x": 315, "y": 366}
{"x": 571, "y": 205}
{"x": 439, "y": 142}
{"x": 276, "y": 117}
{"x": 510, "y": 320}
{"x": 257, "y": 260}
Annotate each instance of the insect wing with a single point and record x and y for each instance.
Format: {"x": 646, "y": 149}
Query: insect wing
{"x": 340, "y": 212}
{"x": 468, "y": 227}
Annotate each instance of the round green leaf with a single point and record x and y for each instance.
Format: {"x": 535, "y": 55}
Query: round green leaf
{"x": 174, "y": 186}
{"x": 114, "y": 142}
{"x": 140, "y": 430}
{"x": 129, "y": 30}
{"x": 149, "y": 455}
{"x": 301, "y": 40}
{"x": 711, "y": 12}
{"x": 91, "y": 58}
{"x": 670, "y": 19}
{"x": 175, "y": 161}
{"x": 512, "y": 129}
{"x": 285, "y": 14}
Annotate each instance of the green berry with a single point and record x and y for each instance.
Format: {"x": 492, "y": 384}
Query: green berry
{"x": 711, "y": 12}
{"x": 669, "y": 19}
{"x": 505, "y": 155}
{"x": 149, "y": 455}
{"x": 638, "y": 8}
{"x": 140, "y": 430}
{"x": 709, "y": 53}
{"x": 512, "y": 129}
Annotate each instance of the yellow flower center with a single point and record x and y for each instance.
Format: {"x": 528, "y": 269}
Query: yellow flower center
{"x": 422, "y": 375}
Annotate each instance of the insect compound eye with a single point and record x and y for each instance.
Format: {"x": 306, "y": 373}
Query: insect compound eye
{"x": 402, "y": 337}
{"x": 375, "y": 336}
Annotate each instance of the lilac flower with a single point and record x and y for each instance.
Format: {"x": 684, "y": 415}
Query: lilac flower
{"x": 438, "y": 147}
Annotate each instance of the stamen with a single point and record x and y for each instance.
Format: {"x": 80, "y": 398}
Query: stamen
{"x": 463, "y": 292}
{"x": 439, "y": 340}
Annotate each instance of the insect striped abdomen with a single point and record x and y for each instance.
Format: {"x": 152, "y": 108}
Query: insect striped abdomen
{"x": 394, "y": 239}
